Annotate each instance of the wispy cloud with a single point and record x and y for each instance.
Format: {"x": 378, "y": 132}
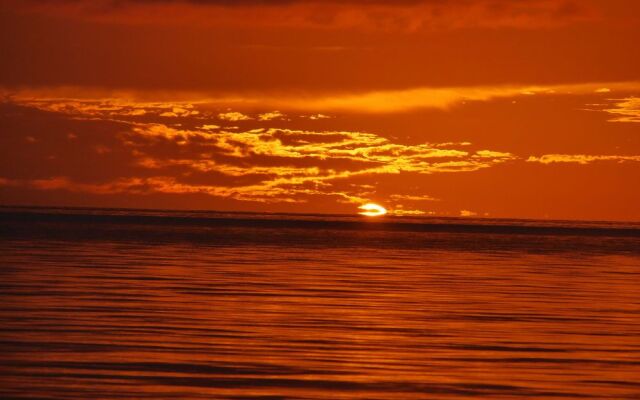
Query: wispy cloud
{"x": 383, "y": 101}
{"x": 270, "y": 116}
{"x": 402, "y": 212}
{"x": 581, "y": 158}
{"x": 442, "y": 98}
{"x": 411, "y": 197}
{"x": 233, "y": 116}
{"x": 625, "y": 110}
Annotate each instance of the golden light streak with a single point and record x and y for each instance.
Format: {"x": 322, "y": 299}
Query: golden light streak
{"x": 72, "y": 99}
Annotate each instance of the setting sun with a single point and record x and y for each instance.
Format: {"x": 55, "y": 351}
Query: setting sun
{"x": 372, "y": 210}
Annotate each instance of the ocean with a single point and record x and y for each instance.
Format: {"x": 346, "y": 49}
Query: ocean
{"x": 132, "y": 304}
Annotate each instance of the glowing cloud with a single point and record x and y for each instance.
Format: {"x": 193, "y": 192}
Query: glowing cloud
{"x": 580, "y": 158}
{"x": 259, "y": 164}
{"x": 234, "y": 116}
{"x": 467, "y": 213}
{"x": 626, "y": 110}
{"x": 271, "y": 116}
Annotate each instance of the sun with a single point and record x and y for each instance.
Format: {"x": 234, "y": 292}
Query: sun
{"x": 372, "y": 210}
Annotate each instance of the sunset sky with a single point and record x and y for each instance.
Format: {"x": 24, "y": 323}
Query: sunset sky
{"x": 488, "y": 108}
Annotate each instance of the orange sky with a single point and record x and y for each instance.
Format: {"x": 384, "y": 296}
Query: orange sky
{"x": 523, "y": 109}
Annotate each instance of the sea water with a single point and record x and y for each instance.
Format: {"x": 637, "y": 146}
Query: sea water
{"x": 105, "y": 304}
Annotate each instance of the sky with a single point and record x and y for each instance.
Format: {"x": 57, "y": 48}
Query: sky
{"x": 470, "y": 108}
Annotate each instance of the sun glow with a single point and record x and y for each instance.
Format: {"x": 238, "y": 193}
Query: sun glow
{"x": 372, "y": 210}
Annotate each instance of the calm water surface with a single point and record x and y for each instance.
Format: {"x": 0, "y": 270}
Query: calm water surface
{"x": 126, "y": 305}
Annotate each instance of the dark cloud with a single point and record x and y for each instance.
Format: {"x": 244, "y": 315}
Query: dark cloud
{"x": 37, "y": 144}
{"x": 275, "y": 3}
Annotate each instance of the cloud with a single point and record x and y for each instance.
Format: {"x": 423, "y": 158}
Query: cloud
{"x": 125, "y": 103}
{"x": 357, "y": 152}
{"x": 412, "y": 197}
{"x": 270, "y": 116}
{"x": 402, "y": 212}
{"x": 402, "y": 15}
{"x": 128, "y": 185}
{"x": 318, "y": 116}
{"x": 175, "y": 112}
{"x": 429, "y": 97}
{"x": 626, "y": 110}
{"x": 493, "y": 154}
{"x": 97, "y": 103}
{"x": 233, "y": 116}
{"x": 580, "y": 158}
{"x": 142, "y": 155}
